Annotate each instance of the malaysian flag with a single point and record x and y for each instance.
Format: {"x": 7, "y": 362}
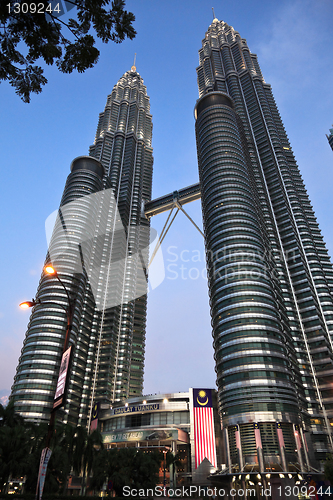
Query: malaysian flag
{"x": 280, "y": 434}
{"x": 204, "y": 433}
{"x": 238, "y": 443}
{"x": 297, "y": 438}
{"x": 237, "y": 437}
{"x": 257, "y": 435}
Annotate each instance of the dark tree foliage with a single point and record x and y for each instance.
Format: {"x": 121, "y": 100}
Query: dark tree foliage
{"x": 32, "y": 30}
{"x": 73, "y": 449}
{"x": 126, "y": 467}
{"x": 329, "y": 468}
{"x": 21, "y": 445}
{"x": 8, "y": 417}
{"x": 15, "y": 444}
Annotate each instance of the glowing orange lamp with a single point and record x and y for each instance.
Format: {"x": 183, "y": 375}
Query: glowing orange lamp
{"x": 50, "y": 269}
{"x": 27, "y": 304}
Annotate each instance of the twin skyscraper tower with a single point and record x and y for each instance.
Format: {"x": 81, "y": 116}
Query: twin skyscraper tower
{"x": 269, "y": 275}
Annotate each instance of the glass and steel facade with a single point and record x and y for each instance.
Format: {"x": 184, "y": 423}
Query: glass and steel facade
{"x": 123, "y": 146}
{"x": 162, "y": 422}
{"x": 269, "y": 274}
{"x": 99, "y": 247}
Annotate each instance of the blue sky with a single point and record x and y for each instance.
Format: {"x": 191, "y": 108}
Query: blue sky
{"x": 293, "y": 40}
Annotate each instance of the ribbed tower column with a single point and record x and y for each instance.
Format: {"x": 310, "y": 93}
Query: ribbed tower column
{"x": 38, "y": 368}
{"x": 248, "y": 337}
{"x": 254, "y": 375}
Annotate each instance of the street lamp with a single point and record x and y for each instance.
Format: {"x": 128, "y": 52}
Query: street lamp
{"x": 69, "y": 309}
{"x": 27, "y": 304}
{"x": 164, "y": 468}
{"x": 59, "y": 397}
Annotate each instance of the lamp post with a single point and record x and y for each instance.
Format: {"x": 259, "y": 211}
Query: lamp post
{"x": 164, "y": 468}
{"x": 46, "y": 453}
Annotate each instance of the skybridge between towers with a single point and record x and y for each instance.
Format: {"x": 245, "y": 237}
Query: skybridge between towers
{"x": 173, "y": 202}
{"x": 167, "y": 202}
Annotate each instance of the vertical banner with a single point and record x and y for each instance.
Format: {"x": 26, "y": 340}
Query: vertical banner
{"x": 94, "y": 417}
{"x": 62, "y": 379}
{"x": 281, "y": 446}
{"x": 280, "y": 435}
{"x": 204, "y": 432}
{"x": 257, "y": 436}
{"x": 298, "y": 445}
{"x": 44, "y": 460}
{"x": 305, "y": 448}
{"x": 237, "y": 437}
{"x": 239, "y": 446}
{"x": 297, "y": 438}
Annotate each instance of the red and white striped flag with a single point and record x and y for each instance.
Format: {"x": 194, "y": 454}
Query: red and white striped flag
{"x": 280, "y": 435}
{"x": 237, "y": 437}
{"x": 204, "y": 433}
{"x": 257, "y": 435}
{"x": 297, "y": 438}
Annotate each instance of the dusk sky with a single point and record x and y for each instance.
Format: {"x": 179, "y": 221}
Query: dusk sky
{"x": 293, "y": 40}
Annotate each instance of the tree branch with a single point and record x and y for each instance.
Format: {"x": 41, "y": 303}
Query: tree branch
{"x": 78, "y": 6}
{"x": 65, "y": 42}
{"x": 65, "y": 24}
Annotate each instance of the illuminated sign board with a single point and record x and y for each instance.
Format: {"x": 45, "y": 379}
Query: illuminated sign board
{"x": 147, "y": 435}
{"x": 136, "y": 408}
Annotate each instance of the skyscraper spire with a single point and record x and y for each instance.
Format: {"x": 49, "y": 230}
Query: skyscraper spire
{"x": 214, "y": 17}
{"x": 133, "y": 68}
